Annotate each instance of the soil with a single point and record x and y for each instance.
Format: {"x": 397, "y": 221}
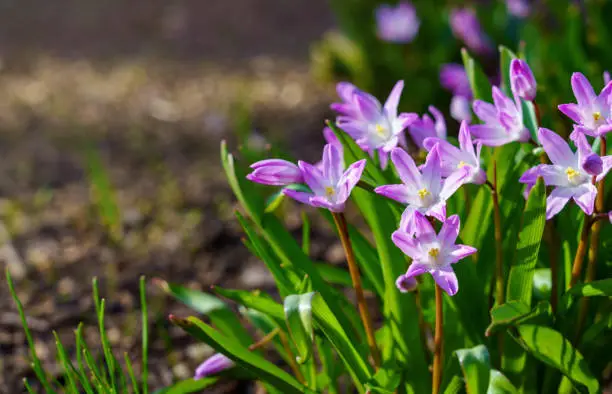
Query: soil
{"x": 152, "y": 86}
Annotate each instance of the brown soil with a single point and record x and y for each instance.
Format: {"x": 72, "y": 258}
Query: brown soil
{"x": 151, "y": 85}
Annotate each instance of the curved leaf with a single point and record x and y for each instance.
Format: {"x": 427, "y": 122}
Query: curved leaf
{"x": 550, "y": 347}
{"x": 298, "y": 315}
{"x": 476, "y": 368}
{"x": 481, "y": 87}
{"x": 499, "y": 384}
{"x": 597, "y": 288}
{"x": 250, "y": 361}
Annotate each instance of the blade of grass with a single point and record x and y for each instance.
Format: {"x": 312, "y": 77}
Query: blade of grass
{"x": 79, "y": 351}
{"x": 145, "y": 335}
{"x": 37, "y": 366}
{"x": 71, "y": 375}
{"x": 130, "y": 369}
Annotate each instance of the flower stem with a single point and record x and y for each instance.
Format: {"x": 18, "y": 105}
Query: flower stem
{"x": 342, "y": 227}
{"x": 438, "y": 343}
{"x": 292, "y": 364}
{"x": 580, "y": 252}
{"x": 594, "y": 247}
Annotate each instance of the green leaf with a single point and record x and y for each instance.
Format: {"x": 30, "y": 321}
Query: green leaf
{"x": 385, "y": 381}
{"x": 506, "y": 56}
{"x": 327, "y": 322}
{"x": 36, "y": 364}
{"x": 399, "y": 308}
{"x": 207, "y": 304}
{"x": 550, "y": 347}
{"x": 481, "y": 87}
{"x": 599, "y": 288}
{"x": 476, "y": 368}
{"x": 276, "y": 199}
{"x": 530, "y": 119}
{"x": 298, "y": 315}
{"x": 285, "y": 282}
{"x": 514, "y": 313}
{"x": 189, "y": 386}
{"x": 250, "y": 361}
{"x": 145, "y": 336}
{"x": 520, "y": 280}
{"x": 254, "y": 300}
{"x": 499, "y": 384}
{"x": 338, "y": 276}
{"x": 455, "y": 386}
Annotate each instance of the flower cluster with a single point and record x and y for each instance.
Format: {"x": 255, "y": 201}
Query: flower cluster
{"x": 425, "y": 189}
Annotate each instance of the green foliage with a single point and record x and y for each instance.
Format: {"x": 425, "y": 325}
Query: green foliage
{"x": 88, "y": 374}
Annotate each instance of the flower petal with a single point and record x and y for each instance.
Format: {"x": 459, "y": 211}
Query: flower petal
{"x": 368, "y": 105}
{"x": 333, "y": 165}
{"x": 449, "y": 231}
{"x": 437, "y": 211}
{"x": 407, "y": 244}
{"x": 423, "y": 228}
{"x": 465, "y": 139}
{"x": 416, "y": 269}
{"x": 406, "y": 168}
{"x": 572, "y": 111}
{"x": 324, "y": 202}
{"x": 454, "y": 182}
{"x": 485, "y": 111}
{"x": 445, "y": 278}
{"x": 607, "y": 165}
{"x": 585, "y": 197}
{"x": 406, "y": 283}
{"x": 313, "y": 177}
{"x": 350, "y": 178}
{"x": 582, "y": 89}
{"x": 460, "y": 252}
{"x": 439, "y": 124}
{"x": 432, "y": 171}
{"x": 557, "y": 199}
{"x": 398, "y": 193}
{"x": 490, "y": 135}
{"x": 302, "y": 197}
{"x": 393, "y": 100}
{"x": 556, "y": 148}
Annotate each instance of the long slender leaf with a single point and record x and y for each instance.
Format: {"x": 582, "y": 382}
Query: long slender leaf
{"x": 250, "y": 361}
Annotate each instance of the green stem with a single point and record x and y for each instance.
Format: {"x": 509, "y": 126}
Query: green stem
{"x": 438, "y": 343}
{"x": 342, "y": 227}
{"x": 594, "y": 247}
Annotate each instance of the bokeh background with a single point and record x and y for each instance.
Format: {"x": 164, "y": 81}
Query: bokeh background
{"x": 152, "y": 87}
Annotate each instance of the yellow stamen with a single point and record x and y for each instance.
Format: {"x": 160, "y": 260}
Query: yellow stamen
{"x": 596, "y": 116}
{"x": 461, "y": 164}
{"x": 434, "y": 252}
{"x": 380, "y": 129}
{"x": 330, "y": 191}
{"x": 571, "y": 173}
{"x": 423, "y": 193}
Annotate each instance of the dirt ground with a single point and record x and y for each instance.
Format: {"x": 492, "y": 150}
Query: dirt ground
{"x": 151, "y": 84}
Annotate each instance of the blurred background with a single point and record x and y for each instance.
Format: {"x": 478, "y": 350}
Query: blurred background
{"x": 111, "y": 115}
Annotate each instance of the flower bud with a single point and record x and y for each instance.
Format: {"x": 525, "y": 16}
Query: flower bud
{"x": 522, "y": 81}
{"x": 275, "y": 172}
{"x": 213, "y": 365}
{"x": 592, "y": 164}
{"x": 406, "y": 284}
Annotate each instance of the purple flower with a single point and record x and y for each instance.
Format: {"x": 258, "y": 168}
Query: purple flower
{"x": 519, "y": 8}
{"x": 213, "y": 365}
{"x": 466, "y": 27}
{"x": 372, "y": 126}
{"x": 460, "y": 109}
{"x": 426, "y": 127}
{"x": 522, "y": 81}
{"x": 397, "y": 24}
{"x": 610, "y": 216}
{"x": 456, "y": 159}
{"x": 331, "y": 185}
{"x": 423, "y": 190}
{"x": 454, "y": 78}
{"x": 433, "y": 253}
{"x": 567, "y": 172}
{"x": 503, "y": 122}
{"x": 592, "y": 113}
{"x": 331, "y": 139}
{"x": 606, "y": 77}
{"x": 275, "y": 172}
